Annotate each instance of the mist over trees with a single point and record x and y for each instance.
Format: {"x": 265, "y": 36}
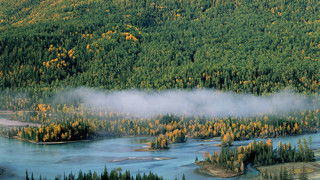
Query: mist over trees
{"x": 241, "y": 48}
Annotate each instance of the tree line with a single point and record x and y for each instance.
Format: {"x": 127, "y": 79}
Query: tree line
{"x": 67, "y": 123}
{"x": 114, "y": 174}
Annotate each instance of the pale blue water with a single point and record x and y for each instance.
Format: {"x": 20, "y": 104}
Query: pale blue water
{"x": 50, "y": 160}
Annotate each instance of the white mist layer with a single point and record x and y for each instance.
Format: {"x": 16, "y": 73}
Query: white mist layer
{"x": 209, "y": 103}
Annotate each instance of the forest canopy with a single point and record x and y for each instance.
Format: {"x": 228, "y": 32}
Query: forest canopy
{"x": 235, "y": 45}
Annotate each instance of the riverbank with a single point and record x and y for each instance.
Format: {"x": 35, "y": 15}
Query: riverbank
{"x": 206, "y": 168}
{"x": 6, "y": 117}
{"x": 12, "y": 123}
{"x": 311, "y": 169}
{"x": 49, "y": 143}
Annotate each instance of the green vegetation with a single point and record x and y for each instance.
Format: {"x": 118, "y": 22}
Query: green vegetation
{"x": 290, "y": 171}
{"x": 69, "y": 123}
{"x": 248, "y": 46}
{"x": 162, "y": 141}
{"x": 242, "y": 46}
{"x": 67, "y": 131}
{"x": 283, "y": 174}
{"x": 259, "y": 154}
{"x": 115, "y": 174}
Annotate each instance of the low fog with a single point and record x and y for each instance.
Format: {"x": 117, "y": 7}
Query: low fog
{"x": 209, "y": 103}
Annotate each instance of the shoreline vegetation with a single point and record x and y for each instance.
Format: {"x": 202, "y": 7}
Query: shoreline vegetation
{"x": 58, "y": 124}
{"x": 206, "y": 168}
{"x": 49, "y": 143}
{"x": 233, "y": 162}
{"x": 73, "y": 124}
{"x": 311, "y": 170}
{"x": 114, "y": 174}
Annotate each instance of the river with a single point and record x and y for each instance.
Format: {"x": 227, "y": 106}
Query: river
{"x": 49, "y": 160}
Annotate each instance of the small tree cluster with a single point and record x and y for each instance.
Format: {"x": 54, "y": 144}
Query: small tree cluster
{"x": 260, "y": 153}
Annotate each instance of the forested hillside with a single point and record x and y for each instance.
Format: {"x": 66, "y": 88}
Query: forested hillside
{"x": 256, "y": 46}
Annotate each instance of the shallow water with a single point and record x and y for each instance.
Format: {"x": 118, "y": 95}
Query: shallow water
{"x": 50, "y": 160}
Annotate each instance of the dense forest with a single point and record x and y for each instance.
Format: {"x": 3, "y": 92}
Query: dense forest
{"x": 244, "y": 46}
{"x": 238, "y": 45}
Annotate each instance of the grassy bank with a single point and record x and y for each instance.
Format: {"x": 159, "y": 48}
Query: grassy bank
{"x": 208, "y": 169}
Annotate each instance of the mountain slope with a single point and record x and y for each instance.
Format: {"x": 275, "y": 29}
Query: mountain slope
{"x": 243, "y": 46}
